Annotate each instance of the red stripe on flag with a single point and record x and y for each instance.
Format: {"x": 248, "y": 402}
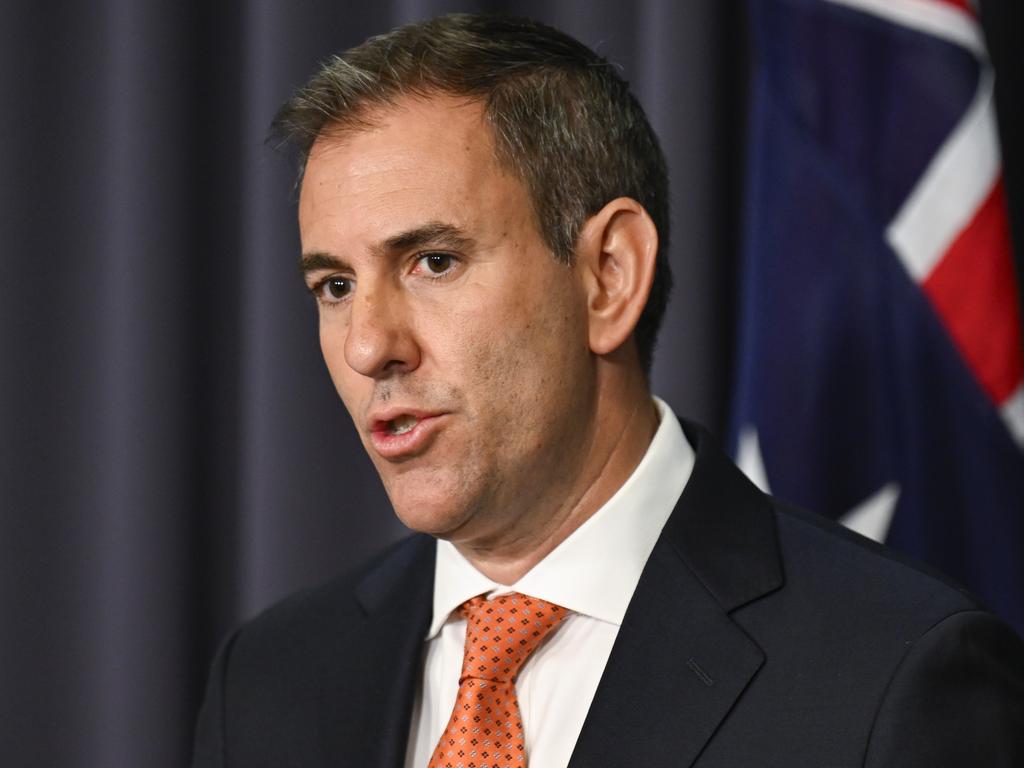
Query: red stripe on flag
{"x": 963, "y": 5}
{"x": 974, "y": 290}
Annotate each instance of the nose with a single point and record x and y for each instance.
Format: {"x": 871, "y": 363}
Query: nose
{"x": 380, "y": 339}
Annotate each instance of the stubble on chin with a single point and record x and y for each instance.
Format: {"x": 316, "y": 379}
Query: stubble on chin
{"x": 445, "y": 500}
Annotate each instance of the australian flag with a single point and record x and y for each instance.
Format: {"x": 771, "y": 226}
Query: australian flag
{"x": 880, "y": 375}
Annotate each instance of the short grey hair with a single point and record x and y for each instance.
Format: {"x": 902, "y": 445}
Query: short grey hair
{"x": 563, "y": 118}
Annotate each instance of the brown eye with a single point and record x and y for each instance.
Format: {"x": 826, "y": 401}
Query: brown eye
{"x": 335, "y": 289}
{"x": 438, "y": 263}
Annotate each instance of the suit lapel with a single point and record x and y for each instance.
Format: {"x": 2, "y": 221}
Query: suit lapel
{"x": 678, "y": 665}
{"x": 367, "y": 697}
{"x": 680, "y": 662}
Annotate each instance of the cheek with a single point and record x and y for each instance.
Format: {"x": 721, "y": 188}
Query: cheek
{"x": 520, "y": 353}
{"x": 332, "y": 346}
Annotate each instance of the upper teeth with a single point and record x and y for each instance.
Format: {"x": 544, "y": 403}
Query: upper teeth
{"x": 402, "y": 424}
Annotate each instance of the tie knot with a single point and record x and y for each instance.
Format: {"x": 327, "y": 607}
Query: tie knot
{"x": 502, "y": 632}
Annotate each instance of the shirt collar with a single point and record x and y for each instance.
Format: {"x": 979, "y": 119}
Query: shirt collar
{"x": 596, "y": 569}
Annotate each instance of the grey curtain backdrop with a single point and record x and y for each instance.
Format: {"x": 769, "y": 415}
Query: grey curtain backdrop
{"x": 174, "y": 457}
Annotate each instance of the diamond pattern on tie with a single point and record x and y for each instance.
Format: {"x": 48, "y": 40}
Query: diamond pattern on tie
{"x": 486, "y": 728}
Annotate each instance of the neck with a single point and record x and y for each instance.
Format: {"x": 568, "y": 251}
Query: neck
{"x": 625, "y": 424}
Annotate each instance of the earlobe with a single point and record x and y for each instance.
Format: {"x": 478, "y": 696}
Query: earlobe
{"x": 617, "y": 249}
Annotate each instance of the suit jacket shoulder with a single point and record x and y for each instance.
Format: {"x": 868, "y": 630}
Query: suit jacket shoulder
{"x": 758, "y": 635}
{"x": 326, "y": 676}
{"x": 783, "y": 639}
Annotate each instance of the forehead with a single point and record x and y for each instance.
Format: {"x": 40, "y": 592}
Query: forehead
{"x": 426, "y": 157}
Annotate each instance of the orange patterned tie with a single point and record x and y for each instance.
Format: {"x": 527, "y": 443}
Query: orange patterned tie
{"x": 486, "y": 728}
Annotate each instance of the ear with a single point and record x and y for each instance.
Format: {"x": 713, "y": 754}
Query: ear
{"x": 616, "y": 251}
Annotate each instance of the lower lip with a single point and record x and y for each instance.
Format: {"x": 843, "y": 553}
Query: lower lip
{"x": 407, "y": 444}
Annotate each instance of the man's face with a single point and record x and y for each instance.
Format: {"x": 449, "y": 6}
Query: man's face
{"x": 456, "y": 341}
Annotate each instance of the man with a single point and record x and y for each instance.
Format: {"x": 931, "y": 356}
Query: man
{"x": 483, "y": 223}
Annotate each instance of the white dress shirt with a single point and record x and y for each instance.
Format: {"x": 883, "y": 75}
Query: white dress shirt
{"x": 593, "y": 573}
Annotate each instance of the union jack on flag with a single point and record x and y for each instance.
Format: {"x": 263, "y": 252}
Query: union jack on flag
{"x": 880, "y": 371}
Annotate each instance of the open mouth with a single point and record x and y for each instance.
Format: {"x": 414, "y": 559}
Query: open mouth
{"x": 401, "y": 424}
{"x": 405, "y": 433}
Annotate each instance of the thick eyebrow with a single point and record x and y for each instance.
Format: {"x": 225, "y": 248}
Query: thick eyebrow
{"x": 434, "y": 234}
{"x": 311, "y": 262}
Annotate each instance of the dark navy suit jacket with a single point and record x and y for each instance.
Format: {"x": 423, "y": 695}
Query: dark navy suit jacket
{"x": 759, "y": 635}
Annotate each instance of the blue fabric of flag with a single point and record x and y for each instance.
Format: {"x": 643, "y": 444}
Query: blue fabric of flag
{"x": 844, "y": 369}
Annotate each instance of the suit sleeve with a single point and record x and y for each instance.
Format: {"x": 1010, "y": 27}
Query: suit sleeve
{"x": 956, "y": 699}
{"x": 209, "y": 749}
